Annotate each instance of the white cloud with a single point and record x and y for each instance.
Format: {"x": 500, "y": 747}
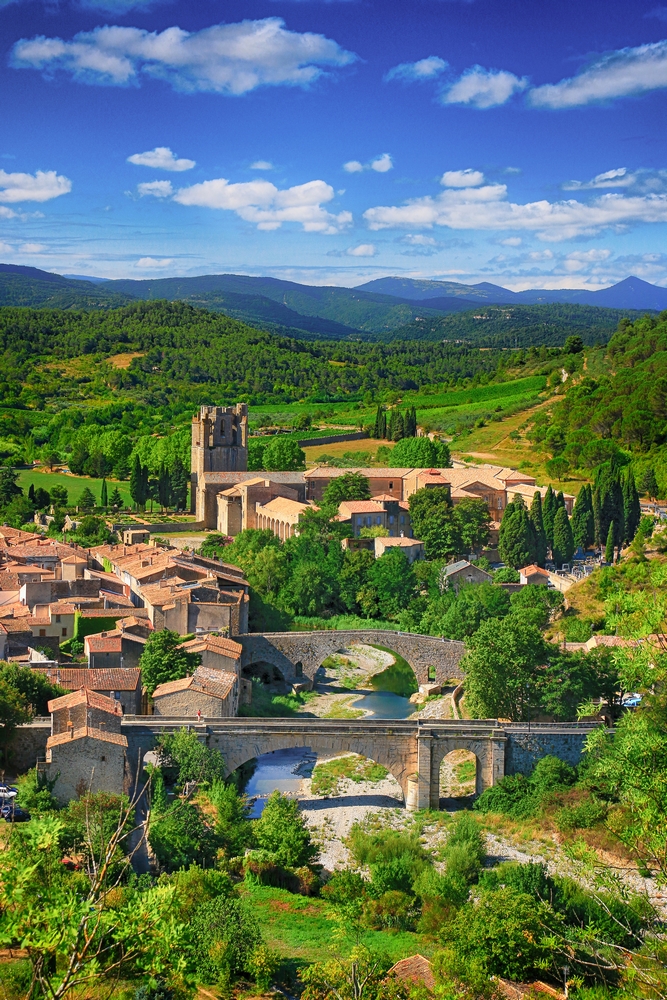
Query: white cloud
{"x": 363, "y": 250}
{"x": 462, "y": 178}
{"x": 483, "y": 88}
{"x": 261, "y": 165}
{"x": 581, "y": 260}
{"x": 487, "y": 208}
{"x": 423, "y": 69}
{"x": 158, "y": 189}
{"x": 262, "y": 203}
{"x": 40, "y": 186}
{"x": 154, "y": 263}
{"x": 512, "y": 241}
{"x": 512, "y": 170}
{"x": 32, "y": 248}
{"x": 382, "y": 164}
{"x": 7, "y": 213}
{"x": 419, "y": 240}
{"x": 623, "y": 73}
{"x": 161, "y": 158}
{"x": 225, "y": 58}
{"x": 618, "y": 178}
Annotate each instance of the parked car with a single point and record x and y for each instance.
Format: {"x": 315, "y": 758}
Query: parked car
{"x": 12, "y": 813}
{"x": 632, "y": 701}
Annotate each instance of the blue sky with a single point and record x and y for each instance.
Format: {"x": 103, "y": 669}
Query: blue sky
{"x": 515, "y": 141}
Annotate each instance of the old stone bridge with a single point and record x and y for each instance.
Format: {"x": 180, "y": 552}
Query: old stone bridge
{"x": 412, "y": 752}
{"x": 297, "y": 655}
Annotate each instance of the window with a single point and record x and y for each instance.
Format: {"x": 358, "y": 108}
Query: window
{"x": 402, "y": 518}
{"x": 391, "y": 518}
{"x": 391, "y": 486}
{"x": 431, "y": 673}
{"x": 500, "y": 503}
{"x": 42, "y": 632}
{"x": 64, "y": 632}
{"x": 57, "y": 618}
{"x": 102, "y": 757}
{"x": 378, "y": 519}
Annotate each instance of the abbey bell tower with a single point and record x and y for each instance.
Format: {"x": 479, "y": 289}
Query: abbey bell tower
{"x": 219, "y": 444}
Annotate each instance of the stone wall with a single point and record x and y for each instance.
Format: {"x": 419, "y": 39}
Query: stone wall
{"x": 434, "y": 660}
{"x": 28, "y": 744}
{"x": 524, "y": 748}
{"x": 84, "y": 764}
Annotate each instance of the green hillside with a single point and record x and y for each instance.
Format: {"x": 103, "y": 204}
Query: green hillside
{"x": 55, "y": 292}
{"x": 519, "y": 326}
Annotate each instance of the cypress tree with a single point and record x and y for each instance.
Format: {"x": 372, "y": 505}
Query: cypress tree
{"x": 116, "y": 500}
{"x": 610, "y": 499}
{"x": 560, "y": 500}
{"x": 548, "y": 515}
{"x": 516, "y": 543}
{"x": 609, "y": 547}
{"x": 563, "y": 547}
{"x": 31, "y": 493}
{"x": 138, "y": 482}
{"x": 380, "y": 428}
{"x": 631, "y": 507}
{"x": 104, "y": 500}
{"x": 180, "y": 480}
{"x": 538, "y": 528}
{"x": 395, "y": 430}
{"x": 582, "y": 518}
{"x": 597, "y": 518}
{"x": 649, "y": 484}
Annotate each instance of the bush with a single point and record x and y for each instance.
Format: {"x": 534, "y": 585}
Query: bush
{"x": 521, "y": 797}
{"x": 225, "y": 935}
{"x": 582, "y": 816}
{"x": 394, "y": 875}
{"x": 370, "y": 844}
{"x": 282, "y": 833}
{"x": 179, "y": 837}
{"x": 393, "y": 911}
{"x": 34, "y": 792}
{"x": 506, "y": 574}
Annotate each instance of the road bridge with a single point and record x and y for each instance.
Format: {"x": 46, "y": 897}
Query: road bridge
{"x": 297, "y": 655}
{"x": 412, "y": 752}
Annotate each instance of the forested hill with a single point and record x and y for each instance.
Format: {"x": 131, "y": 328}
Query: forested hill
{"x": 519, "y": 326}
{"x": 623, "y": 411}
{"x": 309, "y": 312}
{"x": 189, "y": 353}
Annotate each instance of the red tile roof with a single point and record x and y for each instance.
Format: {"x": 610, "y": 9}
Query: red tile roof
{"x": 103, "y": 643}
{"x": 84, "y": 696}
{"x": 415, "y": 969}
{"x": 93, "y": 678}
{"x": 215, "y": 683}
{"x": 79, "y": 734}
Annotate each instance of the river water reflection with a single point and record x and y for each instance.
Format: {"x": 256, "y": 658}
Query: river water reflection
{"x": 284, "y": 769}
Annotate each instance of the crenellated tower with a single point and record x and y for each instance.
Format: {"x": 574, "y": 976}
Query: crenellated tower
{"x": 219, "y": 444}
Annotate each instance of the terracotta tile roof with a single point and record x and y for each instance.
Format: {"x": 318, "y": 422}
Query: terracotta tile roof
{"x": 533, "y": 569}
{"x": 216, "y": 643}
{"x": 14, "y": 535}
{"x": 74, "y": 560}
{"x": 282, "y": 505}
{"x": 517, "y": 991}
{"x": 332, "y": 472}
{"x": 415, "y": 969}
{"x": 16, "y": 625}
{"x": 104, "y": 643}
{"x": 133, "y": 620}
{"x": 84, "y": 696}
{"x": 361, "y": 507}
{"x": 117, "y": 633}
{"x": 402, "y": 542}
{"x": 62, "y": 608}
{"x": 215, "y": 683}
{"x": 10, "y": 581}
{"x": 89, "y": 731}
{"x": 116, "y": 600}
{"x": 94, "y": 678}
{"x": 115, "y": 613}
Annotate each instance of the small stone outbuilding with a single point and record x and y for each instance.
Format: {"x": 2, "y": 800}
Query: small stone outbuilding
{"x": 86, "y": 751}
{"x": 217, "y": 652}
{"x": 209, "y": 694}
{"x": 460, "y": 573}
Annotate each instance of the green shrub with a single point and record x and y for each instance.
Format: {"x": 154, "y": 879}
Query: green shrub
{"x": 225, "y": 935}
{"x": 369, "y": 844}
{"x": 15, "y": 979}
{"x": 393, "y": 911}
{"x": 582, "y": 816}
{"x": 34, "y": 792}
{"x": 282, "y": 832}
{"x": 179, "y": 837}
{"x": 521, "y": 797}
{"x": 394, "y": 875}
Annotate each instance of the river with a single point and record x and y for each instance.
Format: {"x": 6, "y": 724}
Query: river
{"x": 284, "y": 769}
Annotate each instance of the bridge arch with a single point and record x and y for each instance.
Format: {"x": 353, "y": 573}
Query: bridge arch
{"x": 432, "y": 659}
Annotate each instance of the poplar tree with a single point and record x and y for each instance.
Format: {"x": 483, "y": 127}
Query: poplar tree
{"x": 380, "y": 429}
{"x": 563, "y": 547}
{"x": 538, "y": 529}
{"x": 104, "y": 499}
{"x": 548, "y": 515}
{"x": 610, "y": 498}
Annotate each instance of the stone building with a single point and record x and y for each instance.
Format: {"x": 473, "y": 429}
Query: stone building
{"x": 281, "y": 516}
{"x": 209, "y": 694}
{"x": 119, "y": 684}
{"x": 411, "y": 547}
{"x": 459, "y": 573}
{"x": 237, "y": 506}
{"x": 216, "y": 652}
{"x": 86, "y": 750}
{"x": 219, "y": 444}
{"x": 383, "y": 511}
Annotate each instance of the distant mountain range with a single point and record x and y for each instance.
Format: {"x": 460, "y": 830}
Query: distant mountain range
{"x": 381, "y": 309}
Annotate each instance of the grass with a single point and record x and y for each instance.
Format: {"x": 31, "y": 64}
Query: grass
{"x": 328, "y": 776}
{"x": 341, "y": 710}
{"x": 398, "y": 678}
{"x": 267, "y": 705}
{"x": 75, "y": 485}
{"x": 298, "y": 927}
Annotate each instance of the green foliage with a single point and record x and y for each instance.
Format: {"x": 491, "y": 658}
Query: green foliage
{"x": 226, "y": 934}
{"x": 163, "y": 659}
{"x": 282, "y": 832}
{"x": 179, "y": 837}
{"x": 501, "y": 659}
{"x": 350, "y": 486}
{"x": 283, "y": 454}
{"x": 370, "y": 843}
{"x": 233, "y": 830}
{"x": 433, "y": 522}
{"x": 34, "y": 686}
{"x": 390, "y": 585}
{"x": 563, "y": 545}
{"x": 35, "y": 792}
{"x": 185, "y": 758}
{"x": 506, "y": 574}
{"x": 419, "y": 453}
{"x": 520, "y": 797}
{"x": 516, "y": 542}
{"x": 14, "y": 711}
